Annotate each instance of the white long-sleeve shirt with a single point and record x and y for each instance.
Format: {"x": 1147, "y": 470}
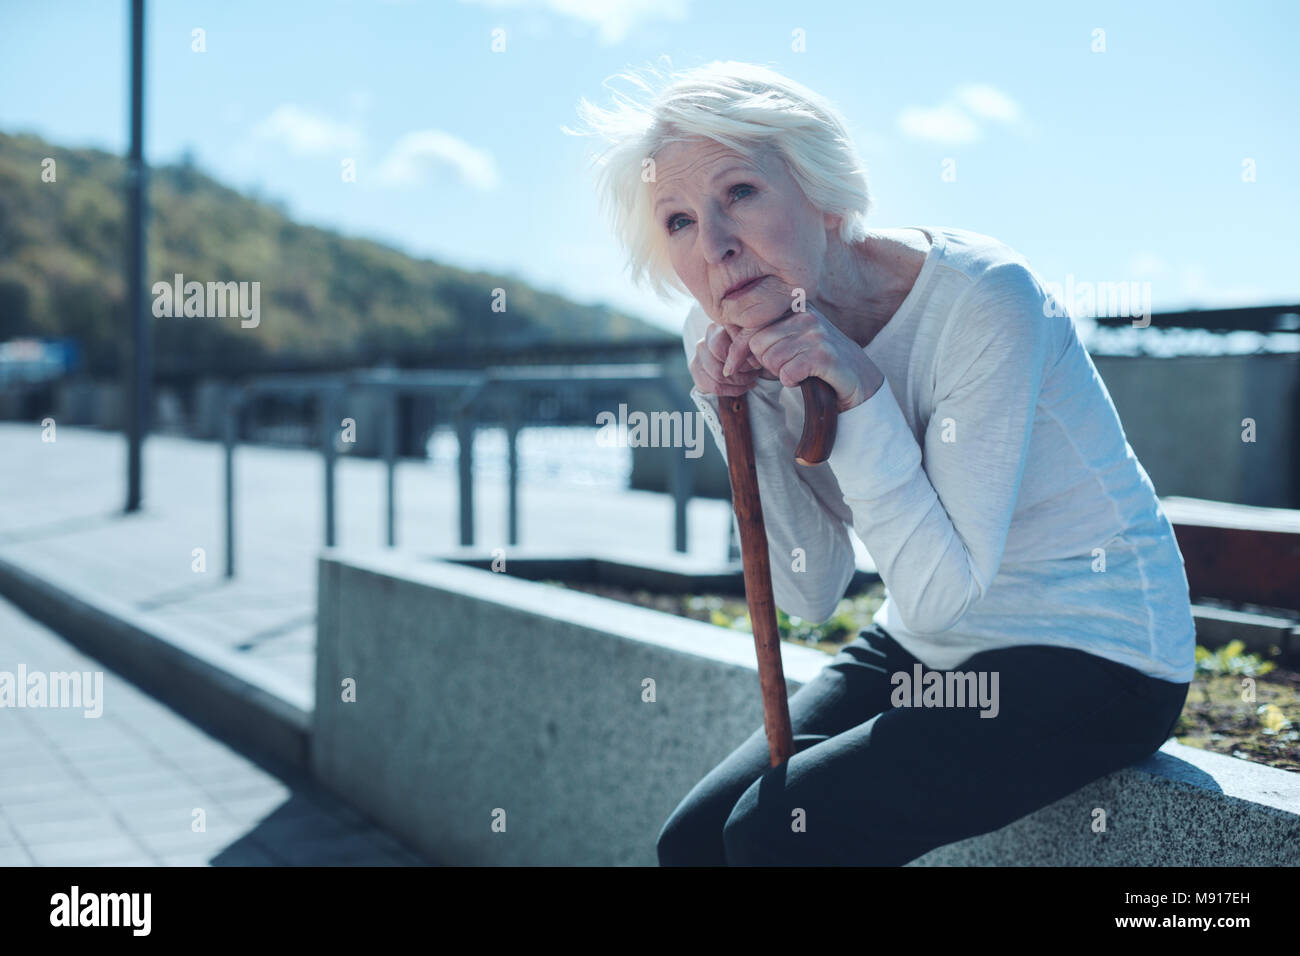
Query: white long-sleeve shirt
{"x": 989, "y": 479}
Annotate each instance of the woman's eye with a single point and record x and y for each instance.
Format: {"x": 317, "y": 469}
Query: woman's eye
{"x": 732, "y": 191}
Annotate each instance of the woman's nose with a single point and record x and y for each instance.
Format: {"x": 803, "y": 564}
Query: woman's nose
{"x": 717, "y": 239}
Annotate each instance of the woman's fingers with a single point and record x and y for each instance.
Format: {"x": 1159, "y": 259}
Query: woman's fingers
{"x": 731, "y": 350}
{"x": 709, "y": 379}
{"x": 717, "y": 343}
{"x": 712, "y": 355}
{"x": 738, "y": 354}
{"x": 742, "y": 381}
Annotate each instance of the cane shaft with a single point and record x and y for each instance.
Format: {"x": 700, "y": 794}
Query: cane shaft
{"x": 758, "y": 574}
{"x": 821, "y": 413}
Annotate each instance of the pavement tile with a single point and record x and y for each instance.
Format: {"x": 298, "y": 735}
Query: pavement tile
{"x": 85, "y": 852}
{"x": 198, "y": 754}
{"x": 178, "y": 796}
{"x": 43, "y": 811}
{"x": 99, "y": 826}
{"x": 126, "y": 780}
{"x": 187, "y": 841}
{"x": 129, "y": 861}
{"x": 65, "y": 725}
{"x": 15, "y": 856}
{"x": 33, "y": 755}
{"x": 169, "y": 740}
{"x": 171, "y": 819}
{"x": 121, "y": 762}
{"x": 109, "y": 746}
{"x": 51, "y": 787}
{"x": 227, "y": 774}
{"x": 155, "y": 766}
{"x": 247, "y": 786}
{"x": 90, "y": 752}
{"x": 8, "y": 835}
{"x": 15, "y": 736}
{"x": 105, "y": 732}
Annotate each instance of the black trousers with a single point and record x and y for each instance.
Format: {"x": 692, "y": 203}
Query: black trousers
{"x": 879, "y": 778}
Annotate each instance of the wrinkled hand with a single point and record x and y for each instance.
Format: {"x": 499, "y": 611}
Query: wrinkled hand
{"x": 706, "y": 368}
{"x": 794, "y": 346}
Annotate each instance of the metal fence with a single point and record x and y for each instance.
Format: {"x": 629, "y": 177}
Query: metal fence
{"x": 466, "y": 393}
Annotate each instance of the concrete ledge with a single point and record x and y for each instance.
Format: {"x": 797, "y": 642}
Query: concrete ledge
{"x": 479, "y": 694}
{"x": 665, "y": 573}
{"x": 252, "y": 707}
{"x": 1179, "y": 807}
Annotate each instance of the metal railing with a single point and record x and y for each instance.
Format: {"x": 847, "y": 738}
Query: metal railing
{"x": 467, "y": 393}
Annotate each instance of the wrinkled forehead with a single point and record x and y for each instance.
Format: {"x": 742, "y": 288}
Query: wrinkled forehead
{"x": 696, "y": 163}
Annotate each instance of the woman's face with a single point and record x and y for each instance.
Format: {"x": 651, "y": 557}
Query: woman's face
{"x": 728, "y": 217}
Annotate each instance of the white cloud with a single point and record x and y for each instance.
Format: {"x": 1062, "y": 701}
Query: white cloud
{"x": 988, "y": 102}
{"x": 958, "y": 119}
{"x": 305, "y": 132}
{"x": 614, "y": 19}
{"x": 941, "y": 124}
{"x": 417, "y": 153}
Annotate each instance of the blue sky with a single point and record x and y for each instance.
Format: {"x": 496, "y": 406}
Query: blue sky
{"x": 1117, "y": 166}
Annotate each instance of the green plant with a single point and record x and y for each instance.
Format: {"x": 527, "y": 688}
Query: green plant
{"x": 851, "y": 614}
{"x": 1274, "y": 721}
{"x": 1230, "y": 660}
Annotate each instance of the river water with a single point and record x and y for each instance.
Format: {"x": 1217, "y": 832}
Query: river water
{"x": 561, "y": 455}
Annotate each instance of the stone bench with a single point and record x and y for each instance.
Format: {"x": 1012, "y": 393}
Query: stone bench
{"x": 482, "y": 697}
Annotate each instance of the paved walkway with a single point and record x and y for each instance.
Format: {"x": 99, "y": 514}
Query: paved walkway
{"x": 122, "y": 788}
{"x": 61, "y": 519}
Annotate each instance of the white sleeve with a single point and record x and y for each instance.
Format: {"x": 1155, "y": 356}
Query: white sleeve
{"x": 937, "y": 533}
{"x": 810, "y": 582}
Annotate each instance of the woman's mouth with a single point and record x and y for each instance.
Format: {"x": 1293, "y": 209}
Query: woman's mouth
{"x": 742, "y": 289}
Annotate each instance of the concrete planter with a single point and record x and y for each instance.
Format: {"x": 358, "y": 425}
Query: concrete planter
{"x": 478, "y": 693}
{"x": 482, "y": 700}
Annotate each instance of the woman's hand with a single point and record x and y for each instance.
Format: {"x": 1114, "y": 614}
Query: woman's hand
{"x": 800, "y": 345}
{"x": 706, "y": 368}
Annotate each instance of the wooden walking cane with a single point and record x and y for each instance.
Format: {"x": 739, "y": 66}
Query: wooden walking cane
{"x": 821, "y": 413}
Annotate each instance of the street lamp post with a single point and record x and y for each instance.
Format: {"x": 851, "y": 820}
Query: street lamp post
{"x": 138, "y": 371}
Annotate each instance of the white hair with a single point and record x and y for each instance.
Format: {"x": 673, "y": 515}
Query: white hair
{"x": 743, "y": 106}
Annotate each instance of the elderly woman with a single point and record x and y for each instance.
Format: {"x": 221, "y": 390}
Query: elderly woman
{"x": 979, "y": 458}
